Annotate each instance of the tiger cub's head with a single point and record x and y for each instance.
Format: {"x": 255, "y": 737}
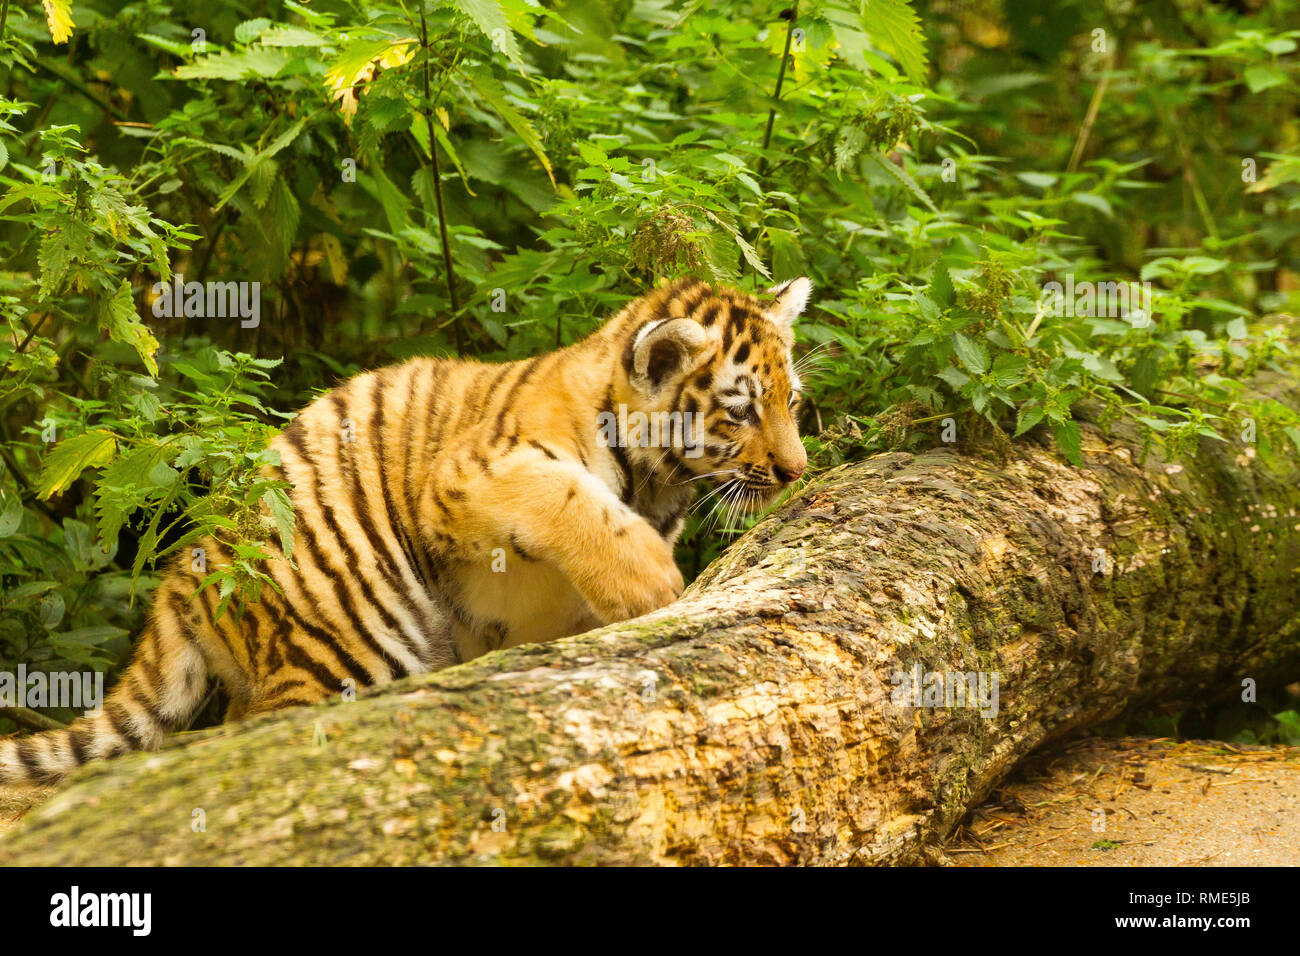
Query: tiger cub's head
{"x": 722, "y": 359}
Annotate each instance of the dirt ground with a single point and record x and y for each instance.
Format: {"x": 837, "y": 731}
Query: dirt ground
{"x": 1140, "y": 802}
{"x": 1161, "y": 803}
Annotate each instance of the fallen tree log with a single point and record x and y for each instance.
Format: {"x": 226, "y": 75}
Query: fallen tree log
{"x": 756, "y": 720}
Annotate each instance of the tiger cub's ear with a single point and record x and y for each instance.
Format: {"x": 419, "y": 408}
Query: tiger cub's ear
{"x": 665, "y": 350}
{"x": 791, "y": 299}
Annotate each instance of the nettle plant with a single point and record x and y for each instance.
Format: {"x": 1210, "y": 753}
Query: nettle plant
{"x": 94, "y": 434}
{"x": 949, "y": 317}
{"x": 981, "y": 343}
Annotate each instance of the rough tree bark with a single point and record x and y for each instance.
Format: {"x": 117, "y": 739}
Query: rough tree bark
{"x": 752, "y": 721}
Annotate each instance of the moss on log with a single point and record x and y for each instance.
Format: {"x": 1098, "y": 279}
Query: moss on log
{"x": 753, "y": 721}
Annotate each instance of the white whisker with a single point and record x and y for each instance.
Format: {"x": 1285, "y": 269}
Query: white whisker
{"x": 721, "y": 488}
{"x": 710, "y": 474}
{"x": 724, "y": 502}
{"x": 650, "y": 472}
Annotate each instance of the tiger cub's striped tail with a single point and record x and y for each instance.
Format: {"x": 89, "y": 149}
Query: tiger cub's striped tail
{"x": 157, "y": 694}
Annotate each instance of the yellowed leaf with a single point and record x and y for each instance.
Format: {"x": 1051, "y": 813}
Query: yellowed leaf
{"x": 58, "y": 14}
{"x": 347, "y": 78}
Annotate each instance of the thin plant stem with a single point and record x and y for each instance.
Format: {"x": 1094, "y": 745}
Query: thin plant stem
{"x": 780, "y": 81}
{"x": 429, "y": 120}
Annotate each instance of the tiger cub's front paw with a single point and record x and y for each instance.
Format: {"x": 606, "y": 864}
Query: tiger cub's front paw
{"x": 642, "y": 577}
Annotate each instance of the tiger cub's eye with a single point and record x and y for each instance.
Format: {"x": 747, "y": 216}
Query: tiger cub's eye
{"x": 739, "y": 415}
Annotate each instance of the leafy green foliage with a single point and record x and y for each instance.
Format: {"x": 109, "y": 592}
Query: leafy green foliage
{"x": 492, "y": 177}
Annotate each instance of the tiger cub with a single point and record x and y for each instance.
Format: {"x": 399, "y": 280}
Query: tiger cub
{"x": 447, "y": 508}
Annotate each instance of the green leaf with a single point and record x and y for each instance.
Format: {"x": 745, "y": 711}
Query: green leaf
{"x": 896, "y": 29}
{"x": 1037, "y": 180}
{"x": 72, "y": 456}
{"x": 132, "y": 469}
{"x": 1027, "y": 418}
{"x": 249, "y": 30}
{"x": 284, "y": 35}
{"x": 972, "y": 354}
{"x": 51, "y": 610}
{"x": 494, "y": 94}
{"x": 163, "y": 475}
{"x": 277, "y": 501}
{"x": 96, "y": 634}
{"x": 746, "y": 249}
{"x": 1285, "y": 169}
{"x": 854, "y": 45}
{"x": 120, "y": 319}
{"x": 1069, "y": 440}
{"x": 12, "y": 517}
{"x": 1094, "y": 202}
{"x": 256, "y": 61}
{"x": 926, "y": 306}
{"x": 489, "y": 17}
{"x": 902, "y": 175}
{"x": 953, "y": 376}
{"x": 941, "y": 289}
{"x": 1263, "y": 77}
{"x": 174, "y": 47}
{"x": 1009, "y": 370}
{"x": 393, "y": 200}
{"x": 851, "y": 142}
{"x": 257, "y": 162}
{"x": 60, "y": 249}
{"x": 1101, "y": 366}
{"x": 1204, "y": 265}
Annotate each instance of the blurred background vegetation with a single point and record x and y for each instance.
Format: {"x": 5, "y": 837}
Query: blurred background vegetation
{"x": 491, "y": 178}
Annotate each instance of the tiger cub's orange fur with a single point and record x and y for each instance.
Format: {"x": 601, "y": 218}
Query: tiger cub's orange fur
{"x": 447, "y": 508}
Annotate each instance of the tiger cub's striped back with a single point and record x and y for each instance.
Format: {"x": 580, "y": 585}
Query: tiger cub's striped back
{"x": 447, "y": 508}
